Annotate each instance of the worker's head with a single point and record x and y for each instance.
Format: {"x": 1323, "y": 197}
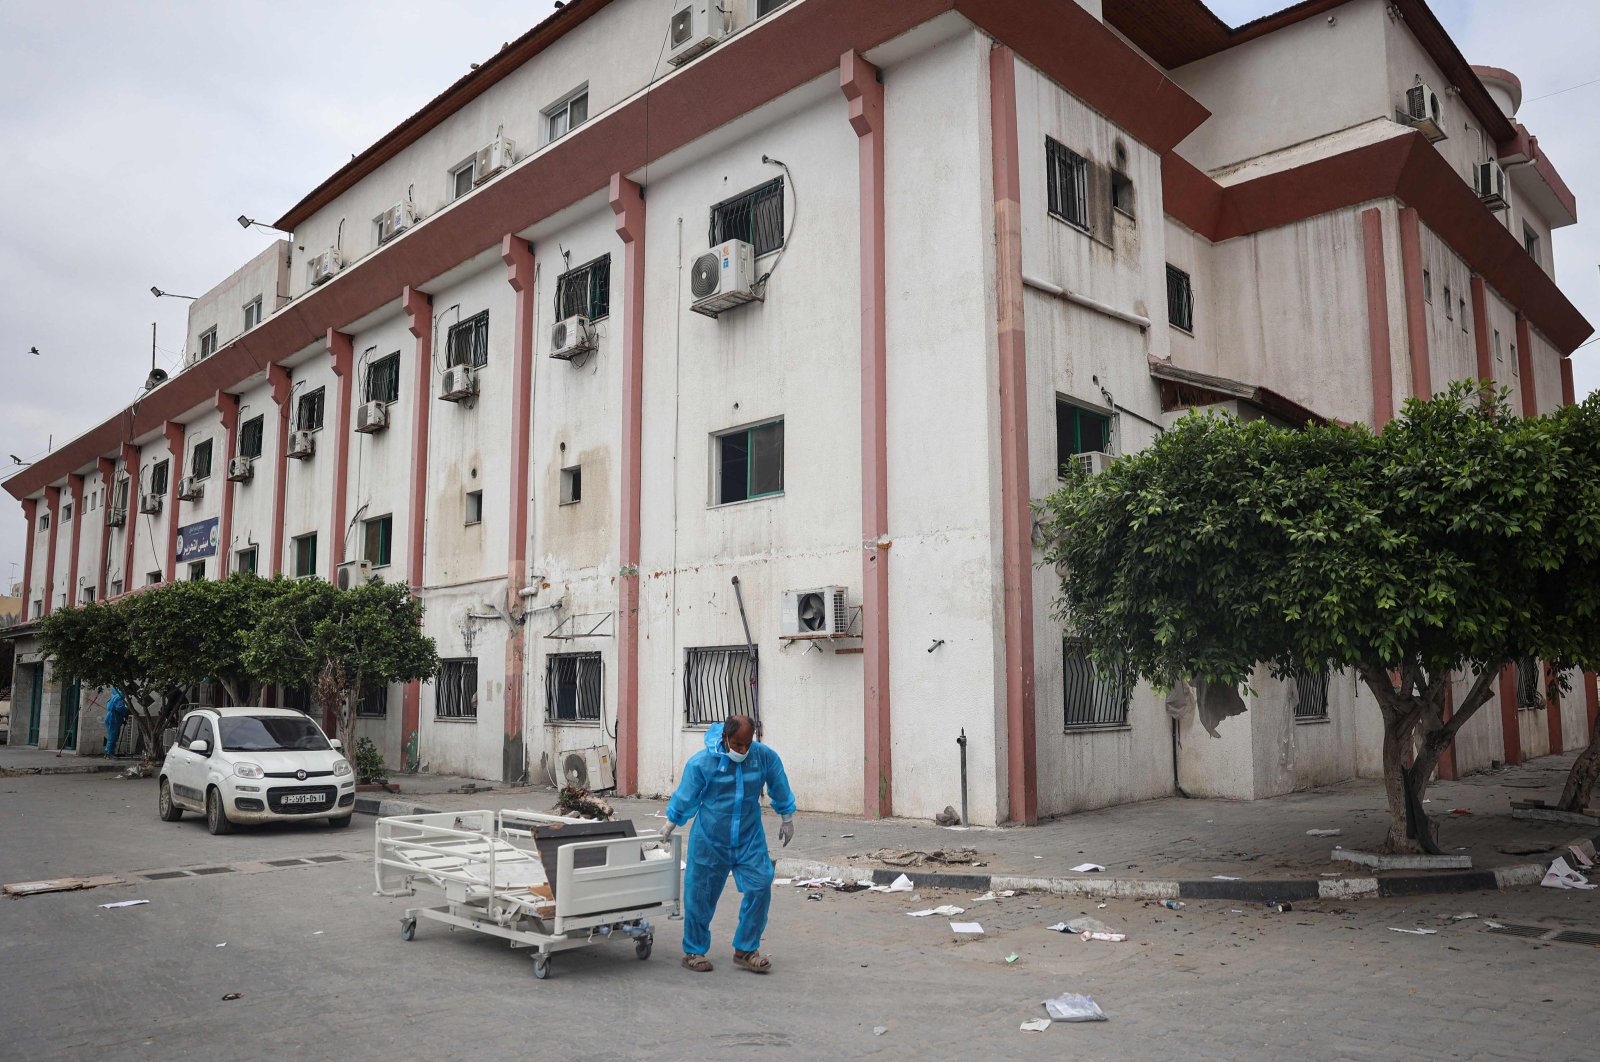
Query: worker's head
{"x": 737, "y": 734}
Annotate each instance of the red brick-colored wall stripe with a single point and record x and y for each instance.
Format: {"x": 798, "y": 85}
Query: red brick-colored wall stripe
{"x": 75, "y": 490}
{"x": 1530, "y": 386}
{"x": 1510, "y": 732}
{"x": 1552, "y": 711}
{"x": 1447, "y": 758}
{"x": 418, "y": 307}
{"x": 1568, "y": 394}
{"x": 52, "y": 505}
{"x": 228, "y": 409}
{"x": 1591, "y": 697}
{"x": 30, "y": 513}
{"x": 107, "y": 468}
{"x": 1378, "y": 348}
{"x": 131, "y": 457}
{"x": 627, "y": 204}
{"x": 175, "y": 434}
{"x": 1416, "y": 306}
{"x": 1481, "y": 328}
{"x": 341, "y": 350}
{"x": 517, "y": 254}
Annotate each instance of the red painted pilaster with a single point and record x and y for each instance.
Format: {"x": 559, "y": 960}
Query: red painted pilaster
{"x": 75, "y": 491}
{"x": 1510, "y": 733}
{"x": 1416, "y": 307}
{"x": 418, "y": 306}
{"x": 517, "y": 254}
{"x": 282, "y": 387}
{"x": 228, "y": 407}
{"x": 30, "y": 513}
{"x": 1016, "y": 523}
{"x": 175, "y": 436}
{"x": 341, "y": 350}
{"x": 627, "y": 203}
{"x": 1447, "y": 758}
{"x": 858, "y": 79}
{"x": 1530, "y": 386}
{"x": 131, "y": 457}
{"x": 107, "y": 467}
{"x": 1481, "y": 329}
{"x": 52, "y": 505}
{"x": 1378, "y": 319}
{"x": 1591, "y": 697}
{"x": 1568, "y": 394}
{"x": 1552, "y": 711}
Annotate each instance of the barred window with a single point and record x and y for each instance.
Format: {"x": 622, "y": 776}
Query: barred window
{"x": 1180, "y": 299}
{"x": 374, "y": 704}
{"x": 468, "y": 342}
{"x": 719, "y": 681}
{"x": 1310, "y": 694}
{"x": 158, "y": 477}
{"x": 573, "y": 686}
{"x": 456, "y": 689}
{"x": 200, "y": 464}
{"x": 755, "y": 217}
{"x": 585, "y": 291}
{"x": 308, "y": 411}
{"x": 383, "y": 379}
{"x": 250, "y": 437}
{"x": 1067, "y": 182}
{"x": 1092, "y": 699}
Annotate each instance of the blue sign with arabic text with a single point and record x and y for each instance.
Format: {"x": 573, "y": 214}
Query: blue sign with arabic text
{"x": 197, "y": 540}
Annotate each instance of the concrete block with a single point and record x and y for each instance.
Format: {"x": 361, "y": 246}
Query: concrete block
{"x": 1544, "y": 814}
{"x": 1403, "y": 862}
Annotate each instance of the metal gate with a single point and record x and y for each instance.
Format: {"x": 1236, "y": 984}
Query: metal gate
{"x": 35, "y": 702}
{"x": 71, "y": 695}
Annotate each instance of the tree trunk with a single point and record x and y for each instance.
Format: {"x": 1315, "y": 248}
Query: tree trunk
{"x": 1396, "y": 745}
{"x": 1580, "y": 782}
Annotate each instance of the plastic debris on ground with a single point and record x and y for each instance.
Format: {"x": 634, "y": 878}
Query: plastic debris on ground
{"x": 985, "y": 898}
{"x": 878, "y": 1030}
{"x": 947, "y": 910}
{"x": 1323, "y": 833}
{"x": 903, "y": 857}
{"x": 1038, "y": 1025}
{"x": 1561, "y": 876}
{"x": 1462, "y": 917}
{"x": 123, "y": 903}
{"x": 1583, "y": 853}
{"x": 1414, "y": 932}
{"x": 1489, "y": 923}
{"x": 1281, "y": 906}
{"x": 965, "y": 927}
{"x": 783, "y": 881}
{"x": 1172, "y": 905}
{"x": 1460, "y": 811}
{"x": 1222, "y": 877}
{"x": 1072, "y": 1007}
{"x": 899, "y": 884}
{"x": 1114, "y": 938}
{"x": 232, "y": 995}
{"x": 1013, "y": 957}
{"x": 1084, "y": 926}
{"x": 1088, "y": 868}
{"x": 34, "y": 888}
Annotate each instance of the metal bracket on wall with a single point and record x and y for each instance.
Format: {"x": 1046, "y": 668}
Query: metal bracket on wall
{"x": 585, "y": 625}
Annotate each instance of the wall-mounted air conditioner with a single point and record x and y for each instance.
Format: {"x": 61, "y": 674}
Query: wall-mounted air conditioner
{"x": 395, "y": 220}
{"x": 302, "y": 444}
{"x": 492, "y": 158}
{"x": 816, "y": 613}
{"x": 589, "y": 768}
{"x": 352, "y": 574}
{"x": 694, "y": 27}
{"x": 241, "y": 468}
{"x": 321, "y": 268}
{"x": 1093, "y": 462}
{"x": 116, "y": 517}
{"x": 1422, "y": 110}
{"x": 460, "y": 384}
{"x": 190, "y": 489}
{"x": 1490, "y": 181}
{"x": 372, "y": 417}
{"x": 150, "y": 504}
{"x": 571, "y": 337}
{"x": 722, "y": 278}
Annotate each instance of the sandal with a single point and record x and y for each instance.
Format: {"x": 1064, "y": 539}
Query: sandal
{"x": 697, "y": 963}
{"x": 753, "y": 961}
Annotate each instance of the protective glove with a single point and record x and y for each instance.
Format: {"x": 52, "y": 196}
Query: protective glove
{"x": 786, "y": 832}
{"x": 666, "y": 831}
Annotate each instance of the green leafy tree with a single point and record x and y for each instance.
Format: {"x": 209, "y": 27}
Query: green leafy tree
{"x": 1458, "y": 540}
{"x": 94, "y": 644}
{"x": 186, "y": 633}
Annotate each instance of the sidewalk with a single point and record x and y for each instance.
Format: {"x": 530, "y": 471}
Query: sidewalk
{"x": 17, "y": 759}
{"x": 1158, "y": 849}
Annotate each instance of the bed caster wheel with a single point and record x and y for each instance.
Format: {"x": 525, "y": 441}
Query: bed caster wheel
{"x": 408, "y": 928}
{"x": 641, "y": 948}
{"x": 541, "y": 966}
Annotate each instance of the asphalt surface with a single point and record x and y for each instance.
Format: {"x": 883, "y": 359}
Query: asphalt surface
{"x": 321, "y": 970}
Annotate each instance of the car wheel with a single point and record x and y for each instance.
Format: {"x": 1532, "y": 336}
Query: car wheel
{"x": 170, "y": 812}
{"x": 340, "y": 822}
{"x": 216, "y": 814}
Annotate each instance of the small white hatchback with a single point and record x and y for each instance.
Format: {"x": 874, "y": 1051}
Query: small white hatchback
{"x": 236, "y": 765}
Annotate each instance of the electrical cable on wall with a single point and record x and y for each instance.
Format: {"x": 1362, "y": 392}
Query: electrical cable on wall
{"x": 794, "y": 217}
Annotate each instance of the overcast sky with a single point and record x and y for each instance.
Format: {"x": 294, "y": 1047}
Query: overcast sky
{"x": 134, "y": 134}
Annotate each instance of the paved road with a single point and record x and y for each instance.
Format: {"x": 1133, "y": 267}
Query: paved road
{"x": 323, "y": 972}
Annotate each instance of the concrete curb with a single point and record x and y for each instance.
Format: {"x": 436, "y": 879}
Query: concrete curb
{"x": 87, "y": 768}
{"x": 1246, "y": 890}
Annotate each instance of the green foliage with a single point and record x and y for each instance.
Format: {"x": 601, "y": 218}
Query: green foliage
{"x": 370, "y": 768}
{"x": 189, "y": 632}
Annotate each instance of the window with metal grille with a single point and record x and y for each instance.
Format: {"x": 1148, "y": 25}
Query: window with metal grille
{"x": 755, "y": 217}
{"x": 1180, "y": 299}
{"x": 308, "y": 411}
{"x": 1463, "y": 303}
{"x": 749, "y": 463}
{"x": 305, "y": 555}
{"x": 468, "y": 342}
{"x": 585, "y": 290}
{"x": 1529, "y": 696}
{"x": 374, "y": 704}
{"x": 1311, "y": 694}
{"x": 1067, "y": 183}
{"x": 250, "y": 437}
{"x": 455, "y": 689}
{"x": 719, "y": 681}
{"x": 200, "y": 463}
{"x": 573, "y": 686}
{"x": 1530, "y": 241}
{"x": 1078, "y": 431}
{"x": 298, "y": 698}
{"x": 383, "y": 379}
{"x": 158, "y": 477}
{"x": 378, "y": 531}
{"x": 1092, "y": 699}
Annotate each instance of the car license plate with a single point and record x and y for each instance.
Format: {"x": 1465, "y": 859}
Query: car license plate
{"x": 302, "y": 798}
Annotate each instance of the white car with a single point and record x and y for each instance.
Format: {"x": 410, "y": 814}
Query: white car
{"x": 238, "y": 765}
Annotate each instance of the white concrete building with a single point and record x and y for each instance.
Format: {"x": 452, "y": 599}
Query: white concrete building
{"x": 983, "y": 238}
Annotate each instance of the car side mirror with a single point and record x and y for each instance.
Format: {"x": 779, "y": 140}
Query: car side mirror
{"x": 200, "y": 747}
{"x": 336, "y": 744}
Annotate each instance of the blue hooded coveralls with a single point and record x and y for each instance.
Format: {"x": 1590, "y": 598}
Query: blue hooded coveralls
{"x": 724, "y": 799}
{"x": 116, "y": 716}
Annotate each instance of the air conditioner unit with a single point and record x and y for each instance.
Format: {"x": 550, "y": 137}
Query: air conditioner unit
{"x": 818, "y": 613}
{"x": 116, "y": 517}
{"x": 372, "y": 417}
{"x": 322, "y": 267}
{"x": 589, "y": 768}
{"x": 695, "y": 26}
{"x": 571, "y": 337}
{"x": 460, "y": 384}
{"x": 190, "y": 489}
{"x": 1093, "y": 462}
{"x": 150, "y": 503}
{"x": 1490, "y": 180}
{"x": 492, "y": 158}
{"x": 1422, "y": 111}
{"x": 395, "y": 220}
{"x": 241, "y": 468}
{"x": 352, "y": 574}
{"x": 722, "y": 278}
{"x": 302, "y": 444}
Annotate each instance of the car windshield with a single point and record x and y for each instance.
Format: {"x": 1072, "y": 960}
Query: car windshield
{"x": 266, "y": 733}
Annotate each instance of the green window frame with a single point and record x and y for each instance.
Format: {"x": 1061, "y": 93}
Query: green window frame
{"x": 1079, "y": 431}
{"x": 379, "y": 540}
{"x": 749, "y": 462}
{"x": 585, "y": 290}
{"x": 305, "y": 555}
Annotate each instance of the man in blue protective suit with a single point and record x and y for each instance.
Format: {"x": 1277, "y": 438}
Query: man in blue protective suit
{"x": 116, "y": 717}
{"x": 721, "y": 791}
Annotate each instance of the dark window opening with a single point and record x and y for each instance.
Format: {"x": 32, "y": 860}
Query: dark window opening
{"x": 378, "y": 535}
{"x": 750, "y": 463}
{"x": 755, "y": 217}
{"x": 1067, "y": 183}
{"x": 468, "y": 342}
{"x": 1079, "y": 431}
{"x": 383, "y": 379}
{"x": 305, "y": 555}
{"x": 250, "y": 437}
{"x": 308, "y": 411}
{"x": 585, "y": 291}
{"x": 158, "y": 477}
{"x": 571, "y": 484}
{"x": 456, "y": 689}
{"x": 1311, "y": 693}
{"x": 374, "y": 704}
{"x": 573, "y": 687}
{"x": 1180, "y": 299}
{"x": 718, "y": 682}
{"x": 1092, "y": 699}
{"x": 1122, "y": 193}
{"x": 201, "y": 462}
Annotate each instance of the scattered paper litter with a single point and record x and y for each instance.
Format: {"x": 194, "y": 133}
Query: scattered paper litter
{"x": 1222, "y": 877}
{"x": 1578, "y": 855}
{"x": 1072, "y": 1007}
{"x": 1009, "y": 892}
{"x": 1561, "y": 876}
{"x": 1087, "y": 868}
{"x": 224, "y": 944}
{"x": 1115, "y": 938}
{"x": 1082, "y": 924}
{"x": 899, "y": 884}
{"x": 965, "y": 927}
{"x": 1489, "y": 923}
{"x": 318, "y": 933}
{"x": 985, "y": 898}
{"x": 783, "y": 881}
{"x": 947, "y": 911}
{"x": 1463, "y": 916}
{"x": 1414, "y": 932}
{"x": 1323, "y": 833}
{"x": 879, "y": 1030}
{"x": 123, "y": 903}
{"x": 1037, "y": 1025}
{"x": 1013, "y": 957}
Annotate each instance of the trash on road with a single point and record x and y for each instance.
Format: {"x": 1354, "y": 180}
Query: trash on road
{"x": 1281, "y": 906}
{"x": 1037, "y": 1025}
{"x": 911, "y": 857}
{"x": 1013, "y": 957}
{"x": 1113, "y": 938}
{"x": 1489, "y": 923}
{"x": 1583, "y": 853}
{"x": 232, "y": 996}
{"x": 783, "y": 881}
{"x": 1009, "y": 892}
{"x": 1082, "y": 924}
{"x": 224, "y": 944}
{"x": 965, "y": 927}
{"x": 1561, "y": 876}
{"x": 985, "y": 898}
{"x": 1088, "y": 868}
{"x": 878, "y": 1030}
{"x": 123, "y": 903}
{"x": 1414, "y": 932}
{"x": 1460, "y": 811}
{"x": 1462, "y": 917}
{"x": 947, "y": 911}
{"x": 1323, "y": 833}
{"x": 34, "y": 888}
{"x": 1072, "y": 1007}
{"x": 1223, "y": 877}
{"x": 899, "y": 884}
{"x": 1173, "y": 905}
{"x": 814, "y": 896}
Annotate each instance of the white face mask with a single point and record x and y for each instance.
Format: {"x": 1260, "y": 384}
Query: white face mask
{"x": 736, "y": 757}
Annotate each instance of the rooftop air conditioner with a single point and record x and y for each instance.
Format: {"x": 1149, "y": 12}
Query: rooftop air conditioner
{"x": 372, "y": 417}
{"x": 460, "y": 384}
{"x": 352, "y": 574}
{"x": 1092, "y": 462}
{"x": 395, "y": 220}
{"x": 695, "y": 26}
{"x": 150, "y": 503}
{"x": 241, "y": 468}
{"x": 492, "y": 158}
{"x": 722, "y": 278}
{"x": 1422, "y": 111}
{"x": 589, "y": 768}
{"x": 190, "y": 489}
{"x": 818, "y": 613}
{"x": 302, "y": 444}
{"x": 116, "y": 517}
{"x": 571, "y": 337}
{"x": 1490, "y": 180}
{"x": 321, "y": 268}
